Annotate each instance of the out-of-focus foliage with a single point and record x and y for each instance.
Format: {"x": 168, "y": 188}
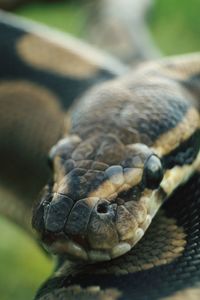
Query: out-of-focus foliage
{"x": 23, "y": 266}
{"x": 68, "y": 16}
{"x": 175, "y": 26}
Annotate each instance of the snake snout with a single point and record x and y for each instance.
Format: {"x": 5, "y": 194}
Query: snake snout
{"x": 82, "y": 215}
{"x": 92, "y": 228}
{"x": 56, "y": 213}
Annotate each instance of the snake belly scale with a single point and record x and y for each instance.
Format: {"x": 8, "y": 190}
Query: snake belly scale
{"x": 129, "y": 142}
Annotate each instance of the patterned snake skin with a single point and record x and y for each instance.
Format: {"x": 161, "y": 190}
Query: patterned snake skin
{"x": 45, "y": 72}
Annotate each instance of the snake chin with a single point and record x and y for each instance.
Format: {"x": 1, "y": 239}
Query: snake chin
{"x": 63, "y": 245}
{"x": 76, "y": 251}
{"x": 108, "y": 235}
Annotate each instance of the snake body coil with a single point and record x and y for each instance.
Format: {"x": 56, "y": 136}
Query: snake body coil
{"x": 128, "y": 143}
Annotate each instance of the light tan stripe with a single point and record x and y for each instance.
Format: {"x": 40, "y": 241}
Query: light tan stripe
{"x": 192, "y": 293}
{"x": 104, "y": 190}
{"x": 46, "y": 55}
{"x": 110, "y": 189}
{"x": 179, "y": 175}
{"x": 170, "y": 140}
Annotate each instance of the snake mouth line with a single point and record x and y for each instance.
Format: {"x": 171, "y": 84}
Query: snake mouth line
{"x": 77, "y": 247}
{"x": 74, "y": 250}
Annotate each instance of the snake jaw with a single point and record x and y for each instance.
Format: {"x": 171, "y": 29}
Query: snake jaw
{"x": 90, "y": 247}
{"x": 142, "y": 212}
{"x": 96, "y": 215}
{"x": 64, "y": 245}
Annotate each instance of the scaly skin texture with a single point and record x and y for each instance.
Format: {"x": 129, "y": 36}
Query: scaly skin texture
{"x": 103, "y": 196}
{"x": 23, "y": 79}
{"x": 157, "y": 105}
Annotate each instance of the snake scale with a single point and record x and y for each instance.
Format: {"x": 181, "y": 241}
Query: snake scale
{"x": 128, "y": 142}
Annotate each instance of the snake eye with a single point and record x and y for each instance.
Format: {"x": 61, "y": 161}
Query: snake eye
{"x": 153, "y": 172}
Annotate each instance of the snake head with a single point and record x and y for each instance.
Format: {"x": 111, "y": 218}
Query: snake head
{"x": 95, "y": 211}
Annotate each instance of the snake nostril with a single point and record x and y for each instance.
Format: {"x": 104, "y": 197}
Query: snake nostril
{"x": 102, "y": 208}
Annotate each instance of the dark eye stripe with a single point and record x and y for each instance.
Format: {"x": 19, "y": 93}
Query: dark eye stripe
{"x": 192, "y": 83}
{"x": 185, "y": 153}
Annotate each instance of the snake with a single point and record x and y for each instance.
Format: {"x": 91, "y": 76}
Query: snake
{"x": 104, "y": 158}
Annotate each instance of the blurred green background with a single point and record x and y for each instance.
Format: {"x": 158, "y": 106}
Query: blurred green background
{"x": 175, "y": 26}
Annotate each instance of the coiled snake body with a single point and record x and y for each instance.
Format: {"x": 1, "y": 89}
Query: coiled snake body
{"x": 129, "y": 142}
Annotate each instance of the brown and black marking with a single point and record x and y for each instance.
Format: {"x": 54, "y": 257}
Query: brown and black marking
{"x": 133, "y": 109}
{"x": 17, "y": 58}
{"x": 24, "y": 154}
{"x": 170, "y": 246}
{"x": 121, "y": 124}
